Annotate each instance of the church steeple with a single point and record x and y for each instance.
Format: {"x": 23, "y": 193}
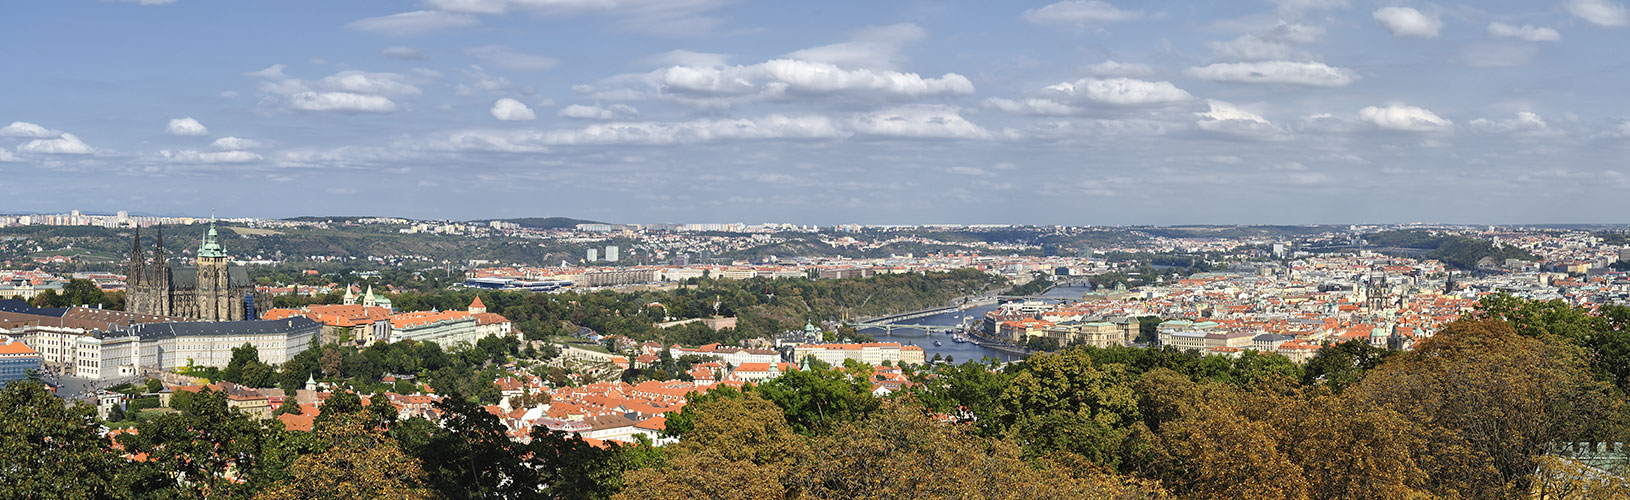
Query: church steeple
{"x": 136, "y": 258}
{"x": 209, "y": 247}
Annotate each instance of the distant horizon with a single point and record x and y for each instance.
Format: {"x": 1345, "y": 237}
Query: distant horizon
{"x": 830, "y": 224}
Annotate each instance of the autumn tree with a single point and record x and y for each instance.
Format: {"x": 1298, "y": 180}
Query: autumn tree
{"x": 1492, "y": 398}
{"x": 359, "y": 462}
{"x": 735, "y": 448}
{"x": 899, "y": 452}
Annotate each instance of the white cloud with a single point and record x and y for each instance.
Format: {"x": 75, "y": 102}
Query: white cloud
{"x": 875, "y": 47}
{"x": 919, "y": 121}
{"x": 783, "y": 77}
{"x": 1600, "y": 12}
{"x": 414, "y": 22}
{"x": 1227, "y": 118}
{"x": 1405, "y": 118}
{"x": 908, "y": 121}
{"x": 1251, "y": 48}
{"x": 25, "y": 129}
{"x": 230, "y": 143}
{"x": 1225, "y": 159}
{"x": 1312, "y": 74}
{"x": 193, "y": 156}
{"x": 1046, "y": 107}
{"x": 1125, "y": 91}
{"x": 274, "y": 71}
{"x": 1526, "y": 32}
{"x": 341, "y": 101}
{"x": 6, "y": 156}
{"x": 507, "y": 109}
{"x": 1112, "y": 68}
{"x": 403, "y": 53}
{"x": 583, "y": 112}
{"x": 186, "y": 126}
{"x": 1525, "y": 123}
{"x": 362, "y": 82}
{"x": 65, "y": 144}
{"x": 1080, "y": 12}
{"x": 480, "y": 80}
{"x": 508, "y": 58}
{"x": 1404, "y": 21}
{"x": 767, "y": 127}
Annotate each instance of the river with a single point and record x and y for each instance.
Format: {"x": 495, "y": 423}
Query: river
{"x": 953, "y": 350}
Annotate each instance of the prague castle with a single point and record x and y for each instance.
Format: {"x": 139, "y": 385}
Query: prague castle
{"x": 212, "y": 291}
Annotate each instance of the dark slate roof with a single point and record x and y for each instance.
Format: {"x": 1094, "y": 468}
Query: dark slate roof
{"x": 19, "y": 306}
{"x": 224, "y": 328}
{"x": 186, "y": 278}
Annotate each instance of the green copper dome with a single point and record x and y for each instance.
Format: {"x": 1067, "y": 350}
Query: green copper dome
{"x": 209, "y": 247}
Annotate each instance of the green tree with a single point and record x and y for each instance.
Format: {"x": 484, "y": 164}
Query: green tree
{"x": 52, "y": 450}
{"x": 814, "y": 400}
{"x": 202, "y": 448}
{"x": 1343, "y": 364}
{"x": 1062, "y": 402}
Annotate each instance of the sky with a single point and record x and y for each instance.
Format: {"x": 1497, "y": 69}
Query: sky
{"x": 1100, "y": 112}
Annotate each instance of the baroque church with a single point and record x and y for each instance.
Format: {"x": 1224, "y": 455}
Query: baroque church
{"x": 212, "y": 291}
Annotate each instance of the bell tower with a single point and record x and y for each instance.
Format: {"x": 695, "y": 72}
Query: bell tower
{"x": 214, "y": 292}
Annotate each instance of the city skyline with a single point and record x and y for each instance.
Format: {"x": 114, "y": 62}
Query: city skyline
{"x": 634, "y": 111}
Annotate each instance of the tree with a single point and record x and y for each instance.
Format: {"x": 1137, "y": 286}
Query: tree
{"x": 1061, "y": 402}
{"x": 200, "y": 446}
{"x": 332, "y": 361}
{"x": 381, "y": 411}
{"x": 969, "y": 392}
{"x": 1343, "y": 364}
{"x": 737, "y": 447}
{"x": 359, "y": 462}
{"x": 899, "y": 452}
{"x": 1493, "y": 398}
{"x": 52, "y": 450}
{"x": 337, "y": 404}
{"x": 814, "y": 400}
{"x": 471, "y": 455}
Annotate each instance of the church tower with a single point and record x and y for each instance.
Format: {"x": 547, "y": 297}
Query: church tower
{"x": 214, "y": 297}
{"x": 162, "y": 300}
{"x": 135, "y": 269}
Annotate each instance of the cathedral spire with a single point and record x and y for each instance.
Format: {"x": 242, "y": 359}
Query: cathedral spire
{"x": 209, "y": 247}
{"x": 136, "y": 257}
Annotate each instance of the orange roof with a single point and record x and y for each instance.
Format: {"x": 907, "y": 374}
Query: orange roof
{"x": 14, "y": 347}
{"x": 477, "y": 303}
{"x": 297, "y": 422}
{"x": 654, "y": 423}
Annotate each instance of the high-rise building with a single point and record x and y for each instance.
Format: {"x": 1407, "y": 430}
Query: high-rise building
{"x": 611, "y": 253}
{"x": 594, "y": 255}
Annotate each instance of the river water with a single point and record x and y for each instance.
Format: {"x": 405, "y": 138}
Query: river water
{"x": 958, "y": 352}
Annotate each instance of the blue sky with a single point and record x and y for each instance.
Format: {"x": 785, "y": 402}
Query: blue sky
{"x": 1074, "y": 112}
